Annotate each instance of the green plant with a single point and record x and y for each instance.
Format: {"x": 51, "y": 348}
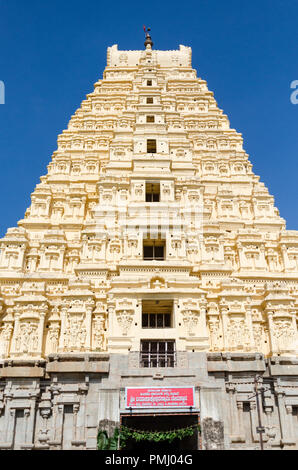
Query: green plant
{"x": 104, "y": 442}
{"x": 155, "y": 436}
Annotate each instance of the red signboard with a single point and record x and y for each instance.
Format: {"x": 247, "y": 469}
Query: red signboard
{"x": 160, "y": 397}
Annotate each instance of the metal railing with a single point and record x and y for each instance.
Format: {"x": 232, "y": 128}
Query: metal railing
{"x": 158, "y": 359}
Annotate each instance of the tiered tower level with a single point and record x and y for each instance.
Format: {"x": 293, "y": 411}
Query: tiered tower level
{"x": 82, "y": 273}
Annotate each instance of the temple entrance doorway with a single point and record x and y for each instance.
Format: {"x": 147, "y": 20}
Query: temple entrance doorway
{"x": 159, "y": 423}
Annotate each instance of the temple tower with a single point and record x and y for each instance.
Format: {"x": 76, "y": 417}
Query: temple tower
{"x": 149, "y": 239}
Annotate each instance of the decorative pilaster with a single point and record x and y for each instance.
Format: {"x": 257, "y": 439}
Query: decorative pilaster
{"x": 64, "y": 310}
{"x": 285, "y": 418}
{"x": 89, "y": 310}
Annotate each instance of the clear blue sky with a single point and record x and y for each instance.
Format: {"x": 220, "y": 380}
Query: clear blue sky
{"x": 52, "y": 52}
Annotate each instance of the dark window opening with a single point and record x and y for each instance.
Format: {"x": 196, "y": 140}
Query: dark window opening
{"x": 149, "y": 100}
{"x": 152, "y": 192}
{"x": 158, "y": 353}
{"x": 68, "y": 409}
{"x": 246, "y": 407}
{"x": 154, "y": 250}
{"x": 150, "y": 119}
{"x": 157, "y": 313}
{"x": 151, "y": 146}
{"x": 149, "y": 82}
{"x": 156, "y": 320}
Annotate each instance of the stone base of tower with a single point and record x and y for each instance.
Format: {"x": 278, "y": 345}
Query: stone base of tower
{"x": 61, "y": 403}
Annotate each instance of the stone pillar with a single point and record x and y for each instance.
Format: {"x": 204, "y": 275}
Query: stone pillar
{"x": 273, "y": 342}
{"x": 21, "y": 255}
{"x": 29, "y": 426}
{"x": 60, "y": 263}
{"x": 16, "y": 331}
{"x": 76, "y": 431}
{"x": 285, "y": 422}
{"x": 45, "y": 408}
{"x": 84, "y": 247}
{"x": 234, "y": 418}
{"x": 285, "y": 257}
{"x": 254, "y": 421}
{"x": 294, "y": 327}
{"x": 42, "y": 263}
{"x": 250, "y": 325}
{"x": 262, "y": 257}
{"x": 126, "y": 248}
{"x": 183, "y": 247}
{"x": 289, "y": 413}
{"x": 241, "y": 437}
{"x": 64, "y": 310}
{"x": 40, "y": 330}
{"x": 224, "y": 314}
{"x": 5, "y": 338}
{"x": 33, "y": 263}
{"x": 221, "y": 254}
{"x": 268, "y": 413}
{"x": 81, "y": 419}
{"x": 89, "y": 310}
{"x": 202, "y": 318}
{"x": 58, "y": 424}
{"x": 111, "y": 317}
{"x": 43, "y": 434}
{"x": 241, "y": 256}
{"x": 10, "y": 425}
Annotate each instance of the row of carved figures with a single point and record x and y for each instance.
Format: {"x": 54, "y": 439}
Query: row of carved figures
{"x": 64, "y": 207}
{"x": 53, "y": 255}
{"x": 25, "y": 337}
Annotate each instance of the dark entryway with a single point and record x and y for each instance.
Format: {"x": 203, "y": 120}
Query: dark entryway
{"x": 162, "y": 423}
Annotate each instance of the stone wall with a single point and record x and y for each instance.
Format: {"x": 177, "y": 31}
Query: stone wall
{"x": 61, "y": 403}
{"x": 278, "y": 387}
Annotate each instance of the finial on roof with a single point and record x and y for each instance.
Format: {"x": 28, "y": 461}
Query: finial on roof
{"x": 148, "y": 41}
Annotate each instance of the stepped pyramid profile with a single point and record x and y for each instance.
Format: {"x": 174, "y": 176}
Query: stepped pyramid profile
{"x": 150, "y": 233}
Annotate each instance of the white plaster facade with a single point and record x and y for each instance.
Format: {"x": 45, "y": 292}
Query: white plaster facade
{"x": 75, "y": 262}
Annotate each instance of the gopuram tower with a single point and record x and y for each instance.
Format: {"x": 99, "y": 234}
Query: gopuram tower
{"x": 151, "y": 256}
